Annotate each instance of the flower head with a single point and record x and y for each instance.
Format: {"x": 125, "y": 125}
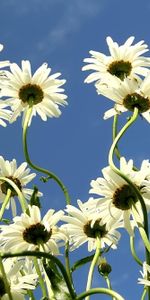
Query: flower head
{"x": 119, "y": 196}
{"x": 145, "y": 274}
{"x": 19, "y": 284}
{"x": 39, "y": 90}
{"x": 83, "y": 226}
{"x": 123, "y": 61}
{"x": 127, "y": 95}
{"x": 20, "y": 176}
{"x": 30, "y": 232}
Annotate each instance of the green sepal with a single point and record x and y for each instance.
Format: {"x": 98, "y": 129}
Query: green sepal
{"x": 45, "y": 179}
{"x": 34, "y": 200}
{"x": 6, "y": 221}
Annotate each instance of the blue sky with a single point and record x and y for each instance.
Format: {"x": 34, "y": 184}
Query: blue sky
{"x": 75, "y": 146}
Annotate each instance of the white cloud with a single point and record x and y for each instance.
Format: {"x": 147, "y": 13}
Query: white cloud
{"x": 140, "y": 246}
{"x": 75, "y": 13}
{"x": 119, "y": 280}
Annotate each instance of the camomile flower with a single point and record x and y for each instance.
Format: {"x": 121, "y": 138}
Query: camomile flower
{"x": 30, "y": 232}
{"x": 145, "y": 274}
{"x": 41, "y": 91}
{"x": 119, "y": 198}
{"x": 84, "y": 227}
{"x": 18, "y": 283}
{"x": 127, "y": 95}
{"x": 20, "y": 176}
{"x": 123, "y": 61}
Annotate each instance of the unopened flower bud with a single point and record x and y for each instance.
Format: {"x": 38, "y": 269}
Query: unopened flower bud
{"x": 104, "y": 268}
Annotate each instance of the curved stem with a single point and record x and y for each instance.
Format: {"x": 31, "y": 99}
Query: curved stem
{"x": 93, "y": 263}
{"x": 100, "y": 291}
{"x": 6, "y": 200}
{"x": 48, "y": 256}
{"x": 140, "y": 227}
{"x": 7, "y": 287}
{"x": 132, "y": 248}
{"x": 37, "y": 168}
{"x": 18, "y": 192}
{"x": 114, "y": 134}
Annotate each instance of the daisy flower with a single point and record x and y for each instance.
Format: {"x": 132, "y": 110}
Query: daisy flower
{"x": 40, "y": 90}
{"x": 118, "y": 195}
{"x": 83, "y": 226}
{"x": 30, "y": 232}
{"x": 20, "y": 176}
{"x": 127, "y": 95}
{"x": 145, "y": 274}
{"x": 123, "y": 61}
{"x": 19, "y": 284}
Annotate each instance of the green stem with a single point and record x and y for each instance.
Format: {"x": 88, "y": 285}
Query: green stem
{"x": 100, "y": 291}
{"x": 41, "y": 280}
{"x": 115, "y": 132}
{"x": 108, "y": 284}
{"x": 37, "y": 168}
{"x": 144, "y": 293}
{"x": 133, "y": 251}
{"x": 140, "y": 227}
{"x": 93, "y": 263}
{"x": 50, "y": 175}
{"x": 48, "y": 256}
{"x": 18, "y": 192}
{"x": 7, "y": 287}
{"x": 67, "y": 261}
{"x": 6, "y": 200}
{"x": 31, "y": 295}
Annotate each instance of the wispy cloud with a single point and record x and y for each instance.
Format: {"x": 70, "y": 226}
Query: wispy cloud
{"x": 116, "y": 282}
{"x": 140, "y": 246}
{"x": 74, "y": 15}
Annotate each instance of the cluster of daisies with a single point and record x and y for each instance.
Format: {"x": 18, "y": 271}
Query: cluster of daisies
{"x": 123, "y": 77}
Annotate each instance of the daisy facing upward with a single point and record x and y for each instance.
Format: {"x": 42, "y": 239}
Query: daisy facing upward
{"x": 20, "y": 176}
{"x": 84, "y": 226}
{"x": 124, "y": 61}
{"x": 30, "y": 232}
{"x": 39, "y": 90}
{"x": 118, "y": 196}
